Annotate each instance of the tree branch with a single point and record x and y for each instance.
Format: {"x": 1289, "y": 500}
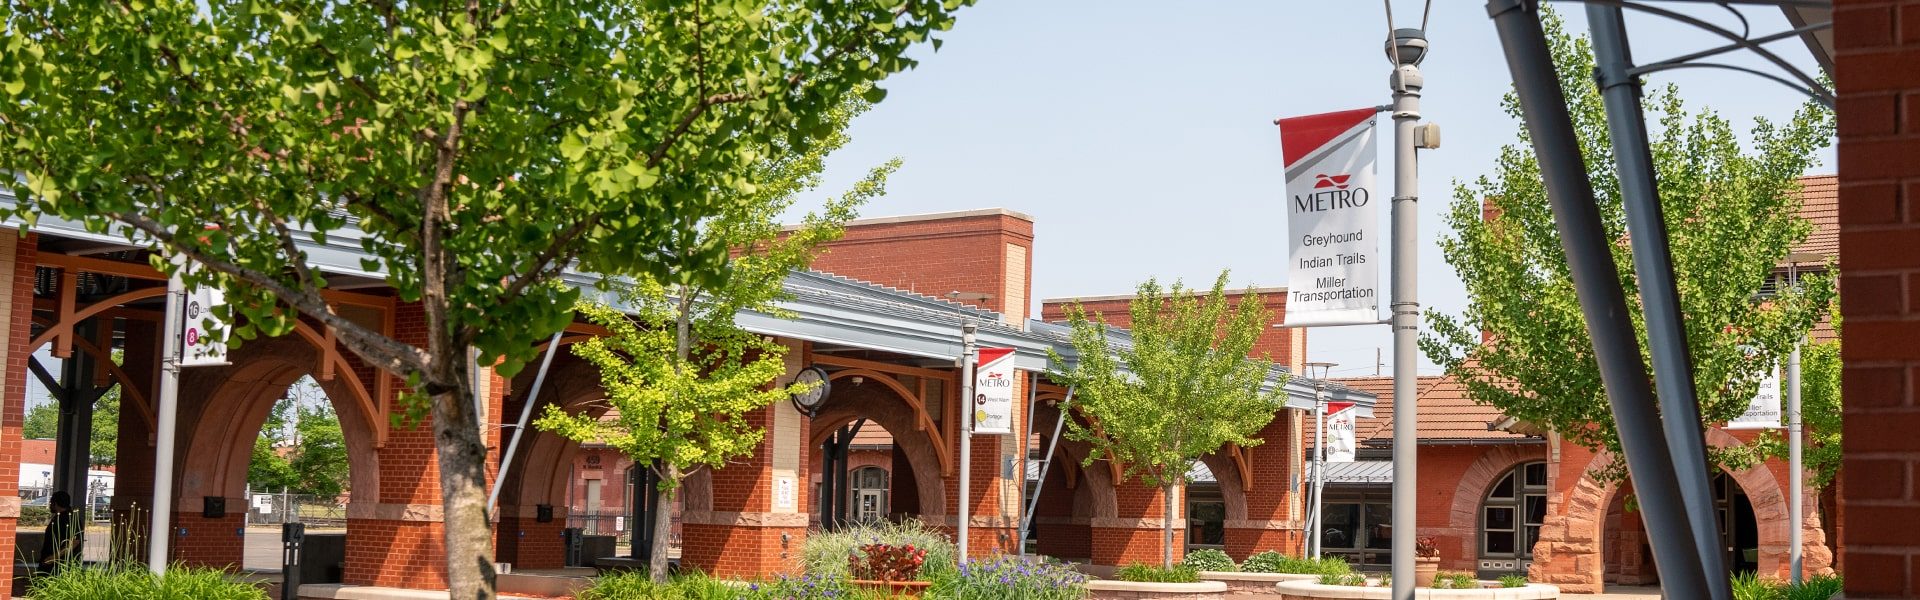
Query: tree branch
{"x": 382, "y": 351}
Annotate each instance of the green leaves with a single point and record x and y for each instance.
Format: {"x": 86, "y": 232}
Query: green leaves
{"x": 1731, "y": 218}
{"x": 1182, "y": 389}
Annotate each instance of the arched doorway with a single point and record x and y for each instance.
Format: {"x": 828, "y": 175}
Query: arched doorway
{"x": 1739, "y": 528}
{"x": 299, "y": 472}
{"x": 1512, "y": 512}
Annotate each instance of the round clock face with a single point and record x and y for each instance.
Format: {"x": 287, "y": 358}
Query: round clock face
{"x": 816, "y": 394}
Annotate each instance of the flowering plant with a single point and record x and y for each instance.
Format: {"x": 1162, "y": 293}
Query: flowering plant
{"x": 1010, "y": 578}
{"x": 887, "y": 562}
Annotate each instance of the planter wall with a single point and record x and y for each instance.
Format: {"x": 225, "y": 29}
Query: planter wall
{"x": 1307, "y": 590}
{"x": 1103, "y": 589}
{"x": 1254, "y": 586}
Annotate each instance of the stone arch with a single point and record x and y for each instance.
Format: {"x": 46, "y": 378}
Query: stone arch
{"x": 1233, "y": 489}
{"x": 883, "y": 402}
{"x": 218, "y": 431}
{"x": 1575, "y": 546}
{"x": 1463, "y": 517}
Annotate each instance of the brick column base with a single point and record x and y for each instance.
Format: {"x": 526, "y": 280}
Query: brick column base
{"x": 219, "y": 543}
{"x": 1140, "y": 543}
{"x": 741, "y": 550}
{"x": 392, "y": 553}
{"x": 529, "y": 544}
{"x": 1064, "y": 538}
{"x": 7, "y": 527}
{"x": 1247, "y": 539}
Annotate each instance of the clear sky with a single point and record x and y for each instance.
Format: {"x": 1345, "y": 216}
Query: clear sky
{"x": 1139, "y": 134}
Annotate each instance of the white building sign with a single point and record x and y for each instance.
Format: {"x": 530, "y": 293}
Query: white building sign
{"x": 1333, "y": 218}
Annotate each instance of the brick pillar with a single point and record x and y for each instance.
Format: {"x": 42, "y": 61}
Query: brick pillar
{"x": 134, "y": 451}
{"x": 1273, "y": 514}
{"x": 998, "y": 472}
{"x": 397, "y": 538}
{"x": 1134, "y": 534}
{"x": 1877, "y": 46}
{"x": 756, "y": 522}
{"x": 17, "y": 257}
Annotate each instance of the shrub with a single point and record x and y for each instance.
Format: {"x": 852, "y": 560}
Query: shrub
{"x": 1275, "y": 562}
{"x": 1445, "y": 580}
{"x": 1346, "y": 579}
{"x": 827, "y": 552}
{"x": 1749, "y": 586}
{"x": 1513, "y": 581}
{"x": 810, "y": 587}
{"x": 886, "y": 562}
{"x": 1009, "y": 578}
{"x": 1818, "y": 587}
{"x": 1209, "y": 559}
{"x": 133, "y": 582}
{"x": 1150, "y": 574}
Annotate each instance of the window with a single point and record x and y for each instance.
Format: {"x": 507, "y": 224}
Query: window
{"x": 1342, "y": 526}
{"x": 1206, "y": 515}
{"x": 869, "y": 494}
{"x": 1514, "y": 509}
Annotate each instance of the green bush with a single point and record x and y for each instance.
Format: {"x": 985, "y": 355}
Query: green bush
{"x": 1750, "y": 586}
{"x": 826, "y": 552}
{"x": 133, "y": 582}
{"x": 1150, "y": 574}
{"x": 1445, "y": 580}
{"x": 1513, "y": 581}
{"x": 1209, "y": 559}
{"x": 1009, "y": 578}
{"x": 1275, "y": 562}
{"x": 634, "y": 585}
{"x": 1346, "y": 579}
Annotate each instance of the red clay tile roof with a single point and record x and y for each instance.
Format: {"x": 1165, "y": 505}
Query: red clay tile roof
{"x": 1446, "y": 413}
{"x": 1820, "y": 203}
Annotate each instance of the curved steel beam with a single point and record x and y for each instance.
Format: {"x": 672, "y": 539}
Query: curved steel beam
{"x": 1817, "y": 96}
{"x": 1736, "y": 39}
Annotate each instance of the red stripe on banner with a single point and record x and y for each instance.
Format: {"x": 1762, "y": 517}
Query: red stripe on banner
{"x": 992, "y": 355}
{"x": 1300, "y": 136}
{"x": 1334, "y": 408}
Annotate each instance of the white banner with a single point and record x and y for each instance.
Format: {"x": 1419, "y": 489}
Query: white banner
{"x": 1763, "y": 412}
{"x": 993, "y": 392}
{"x": 1333, "y": 217}
{"x": 1341, "y": 444}
{"x": 203, "y": 340}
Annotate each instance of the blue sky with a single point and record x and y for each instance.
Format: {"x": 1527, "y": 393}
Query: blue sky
{"x": 1139, "y": 134}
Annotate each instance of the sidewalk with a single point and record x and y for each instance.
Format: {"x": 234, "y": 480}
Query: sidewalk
{"x": 1621, "y": 592}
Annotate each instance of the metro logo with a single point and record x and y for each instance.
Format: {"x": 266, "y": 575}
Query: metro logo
{"x": 1331, "y": 181}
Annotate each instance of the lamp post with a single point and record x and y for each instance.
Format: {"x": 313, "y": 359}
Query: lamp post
{"x": 967, "y": 357}
{"x": 1319, "y": 370}
{"x": 1406, "y": 49}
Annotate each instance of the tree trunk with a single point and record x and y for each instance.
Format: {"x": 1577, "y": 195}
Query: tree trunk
{"x": 463, "y": 497}
{"x": 1166, "y": 549}
{"x": 663, "y": 525}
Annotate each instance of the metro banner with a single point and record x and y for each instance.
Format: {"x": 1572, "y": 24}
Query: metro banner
{"x": 993, "y": 392}
{"x": 1333, "y": 217}
{"x": 1341, "y": 444}
{"x": 1763, "y": 411}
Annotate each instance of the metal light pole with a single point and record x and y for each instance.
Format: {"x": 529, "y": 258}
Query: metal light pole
{"x": 1796, "y": 465}
{"x": 1314, "y": 541}
{"x": 967, "y": 357}
{"x": 1407, "y": 48}
{"x": 160, "y": 530}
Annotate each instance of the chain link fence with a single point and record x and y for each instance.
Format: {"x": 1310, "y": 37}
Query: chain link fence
{"x": 317, "y": 512}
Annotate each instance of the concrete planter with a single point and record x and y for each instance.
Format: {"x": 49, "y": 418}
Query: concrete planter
{"x": 1253, "y": 585}
{"x": 1304, "y": 590}
{"x": 1107, "y": 589}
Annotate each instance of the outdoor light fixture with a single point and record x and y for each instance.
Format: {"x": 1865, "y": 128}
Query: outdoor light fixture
{"x": 974, "y": 296}
{"x": 1408, "y": 46}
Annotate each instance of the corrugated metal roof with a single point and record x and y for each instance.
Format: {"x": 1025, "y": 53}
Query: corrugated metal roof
{"x": 1360, "y": 472}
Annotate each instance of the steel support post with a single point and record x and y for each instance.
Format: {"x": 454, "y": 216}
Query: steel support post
{"x": 1659, "y": 294}
{"x": 1602, "y": 301}
{"x": 1406, "y": 82}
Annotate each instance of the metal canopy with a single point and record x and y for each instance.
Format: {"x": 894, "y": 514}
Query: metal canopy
{"x": 826, "y": 308}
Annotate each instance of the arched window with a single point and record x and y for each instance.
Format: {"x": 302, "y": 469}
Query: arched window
{"x": 1510, "y": 518}
{"x": 869, "y": 494}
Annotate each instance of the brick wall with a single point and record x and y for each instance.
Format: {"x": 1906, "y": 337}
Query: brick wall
{"x": 408, "y": 554}
{"x": 1877, "y": 77}
{"x": 218, "y": 543}
{"x": 13, "y": 389}
{"x": 984, "y": 251}
{"x": 1285, "y": 347}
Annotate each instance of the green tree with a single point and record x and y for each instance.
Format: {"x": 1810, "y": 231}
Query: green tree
{"x": 319, "y": 461}
{"x": 42, "y": 422}
{"x": 1182, "y": 387}
{"x": 482, "y": 147}
{"x": 1731, "y": 217}
{"x": 678, "y": 370}
{"x": 269, "y": 470}
{"x": 1820, "y": 416}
